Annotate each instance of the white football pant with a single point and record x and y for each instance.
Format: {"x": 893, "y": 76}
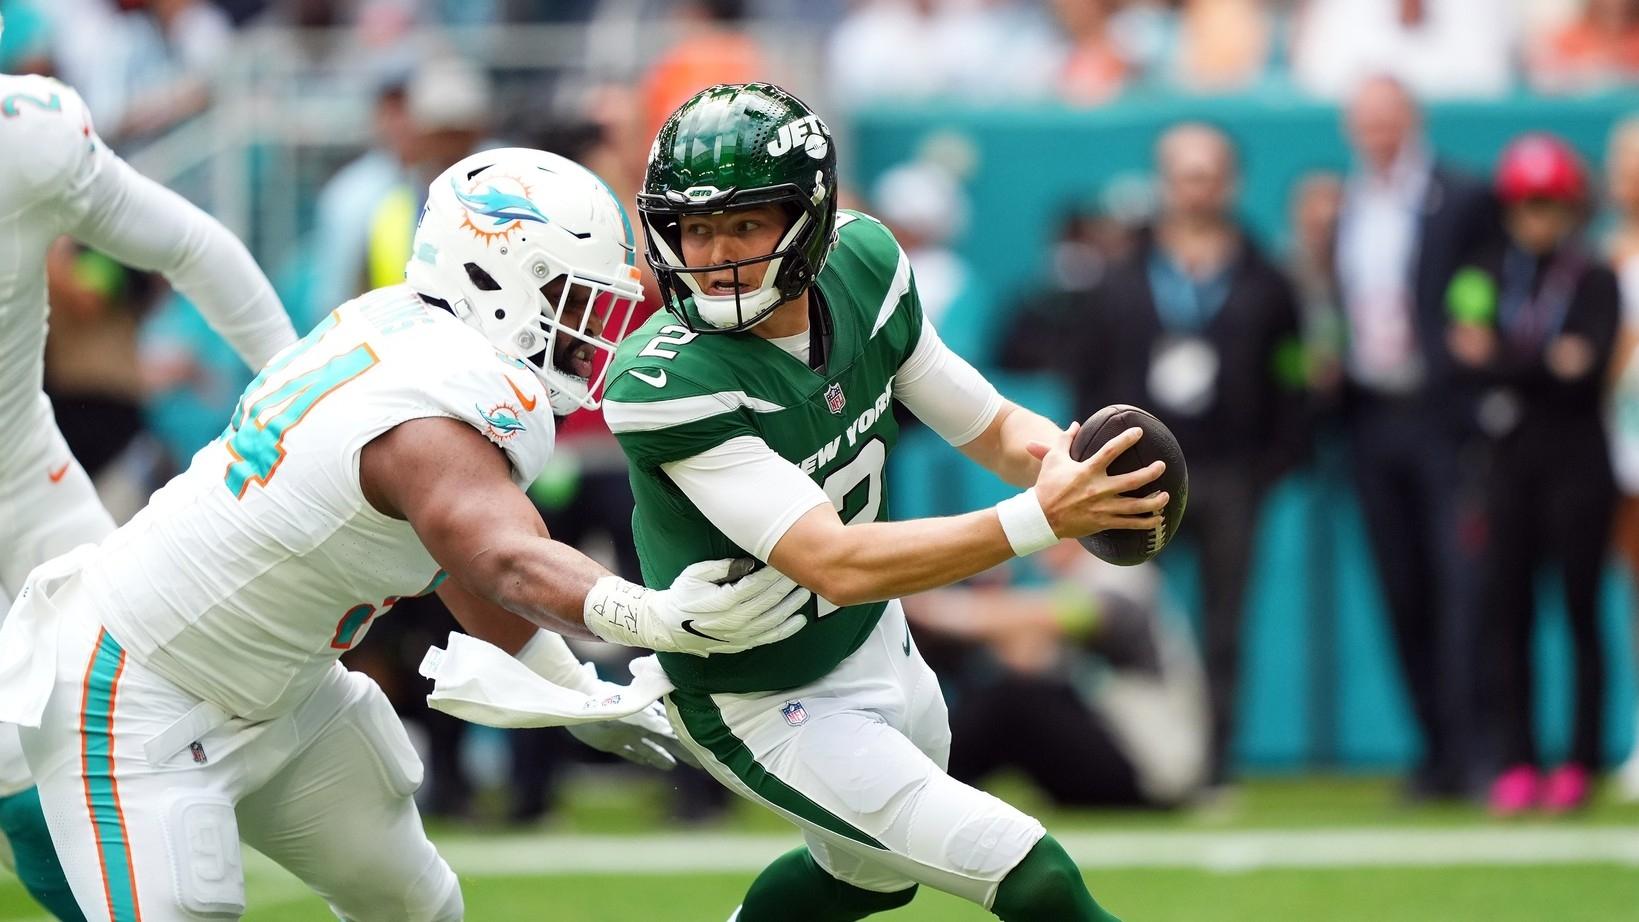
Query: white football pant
{"x": 149, "y": 791}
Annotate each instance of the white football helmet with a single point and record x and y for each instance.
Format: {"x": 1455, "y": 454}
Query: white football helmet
{"x": 504, "y": 226}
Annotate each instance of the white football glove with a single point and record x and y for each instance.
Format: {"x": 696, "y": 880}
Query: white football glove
{"x": 703, "y": 612}
{"x": 645, "y": 737}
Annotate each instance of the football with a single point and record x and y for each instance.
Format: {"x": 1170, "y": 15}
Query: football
{"x": 1128, "y": 547}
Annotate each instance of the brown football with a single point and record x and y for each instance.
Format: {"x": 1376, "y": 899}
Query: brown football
{"x": 1124, "y": 546}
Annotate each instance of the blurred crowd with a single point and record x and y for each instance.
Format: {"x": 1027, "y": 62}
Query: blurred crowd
{"x": 1463, "y": 336}
{"x": 145, "y": 64}
{"x": 1466, "y": 337}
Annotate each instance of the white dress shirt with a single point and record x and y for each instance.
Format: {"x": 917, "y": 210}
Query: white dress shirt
{"x": 1378, "y": 230}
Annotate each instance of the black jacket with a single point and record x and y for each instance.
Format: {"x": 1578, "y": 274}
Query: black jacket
{"x": 1548, "y": 407}
{"x": 1102, "y": 344}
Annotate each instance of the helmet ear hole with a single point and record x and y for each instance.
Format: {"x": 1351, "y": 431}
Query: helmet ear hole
{"x": 481, "y": 279}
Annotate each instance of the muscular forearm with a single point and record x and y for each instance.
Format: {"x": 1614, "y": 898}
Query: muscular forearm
{"x": 541, "y": 580}
{"x": 544, "y": 652}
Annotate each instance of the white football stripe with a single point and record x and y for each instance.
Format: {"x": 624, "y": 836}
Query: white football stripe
{"x": 896, "y": 290}
{"x": 623, "y": 416}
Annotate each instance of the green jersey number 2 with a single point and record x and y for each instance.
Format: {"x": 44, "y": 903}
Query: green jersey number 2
{"x": 856, "y": 490}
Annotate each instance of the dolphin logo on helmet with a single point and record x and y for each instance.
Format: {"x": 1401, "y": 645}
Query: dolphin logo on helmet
{"x": 504, "y": 207}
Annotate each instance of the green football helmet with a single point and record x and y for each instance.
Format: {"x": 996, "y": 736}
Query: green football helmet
{"x": 735, "y": 146}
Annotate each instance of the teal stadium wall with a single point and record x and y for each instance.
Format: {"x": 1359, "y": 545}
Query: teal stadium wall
{"x": 1321, "y": 688}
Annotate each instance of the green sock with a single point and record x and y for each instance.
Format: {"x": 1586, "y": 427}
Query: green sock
{"x": 24, "y": 823}
{"x": 795, "y": 889}
{"x": 1047, "y": 887}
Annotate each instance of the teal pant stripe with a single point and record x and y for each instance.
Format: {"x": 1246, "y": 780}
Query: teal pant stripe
{"x": 704, "y": 722}
{"x": 101, "y": 789}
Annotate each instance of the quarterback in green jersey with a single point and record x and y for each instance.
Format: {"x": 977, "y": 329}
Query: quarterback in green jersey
{"x": 756, "y": 412}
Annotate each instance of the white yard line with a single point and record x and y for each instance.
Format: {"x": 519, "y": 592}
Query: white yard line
{"x": 1227, "y": 851}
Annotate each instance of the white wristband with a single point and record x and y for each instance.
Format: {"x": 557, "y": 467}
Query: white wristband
{"x": 549, "y": 657}
{"x": 1025, "y": 524}
{"x": 612, "y": 611}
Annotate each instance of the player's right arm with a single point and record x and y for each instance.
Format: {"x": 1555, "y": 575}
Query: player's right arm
{"x": 454, "y": 487}
{"x": 702, "y": 440}
{"x": 850, "y": 564}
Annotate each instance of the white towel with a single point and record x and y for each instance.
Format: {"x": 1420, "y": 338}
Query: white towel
{"x": 28, "y": 640}
{"x": 480, "y": 683}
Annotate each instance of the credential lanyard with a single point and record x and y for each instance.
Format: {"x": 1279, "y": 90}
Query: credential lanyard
{"x": 1531, "y": 320}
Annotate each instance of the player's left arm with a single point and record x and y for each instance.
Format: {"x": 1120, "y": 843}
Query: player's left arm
{"x": 139, "y": 222}
{"x": 954, "y": 400}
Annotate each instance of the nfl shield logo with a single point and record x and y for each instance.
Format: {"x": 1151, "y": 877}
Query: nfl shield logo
{"x": 198, "y": 752}
{"x": 794, "y": 713}
{"x": 834, "y": 399}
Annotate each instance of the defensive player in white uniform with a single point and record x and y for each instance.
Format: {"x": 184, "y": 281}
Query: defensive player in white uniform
{"x": 178, "y": 685}
{"x": 56, "y": 178}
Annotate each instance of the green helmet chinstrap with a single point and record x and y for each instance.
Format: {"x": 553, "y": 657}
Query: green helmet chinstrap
{"x": 735, "y": 146}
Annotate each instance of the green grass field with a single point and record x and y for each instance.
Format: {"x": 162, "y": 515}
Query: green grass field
{"x": 1331, "y": 850}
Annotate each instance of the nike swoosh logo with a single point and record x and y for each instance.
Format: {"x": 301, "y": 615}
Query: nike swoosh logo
{"x": 688, "y": 627}
{"x": 528, "y": 402}
{"x": 907, "y": 640}
{"x": 658, "y": 379}
{"x": 57, "y": 475}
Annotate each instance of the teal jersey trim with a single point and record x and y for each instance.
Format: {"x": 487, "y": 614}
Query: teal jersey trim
{"x": 257, "y": 444}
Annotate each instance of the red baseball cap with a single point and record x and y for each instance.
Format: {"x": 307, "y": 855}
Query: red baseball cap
{"x": 1541, "y": 166}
